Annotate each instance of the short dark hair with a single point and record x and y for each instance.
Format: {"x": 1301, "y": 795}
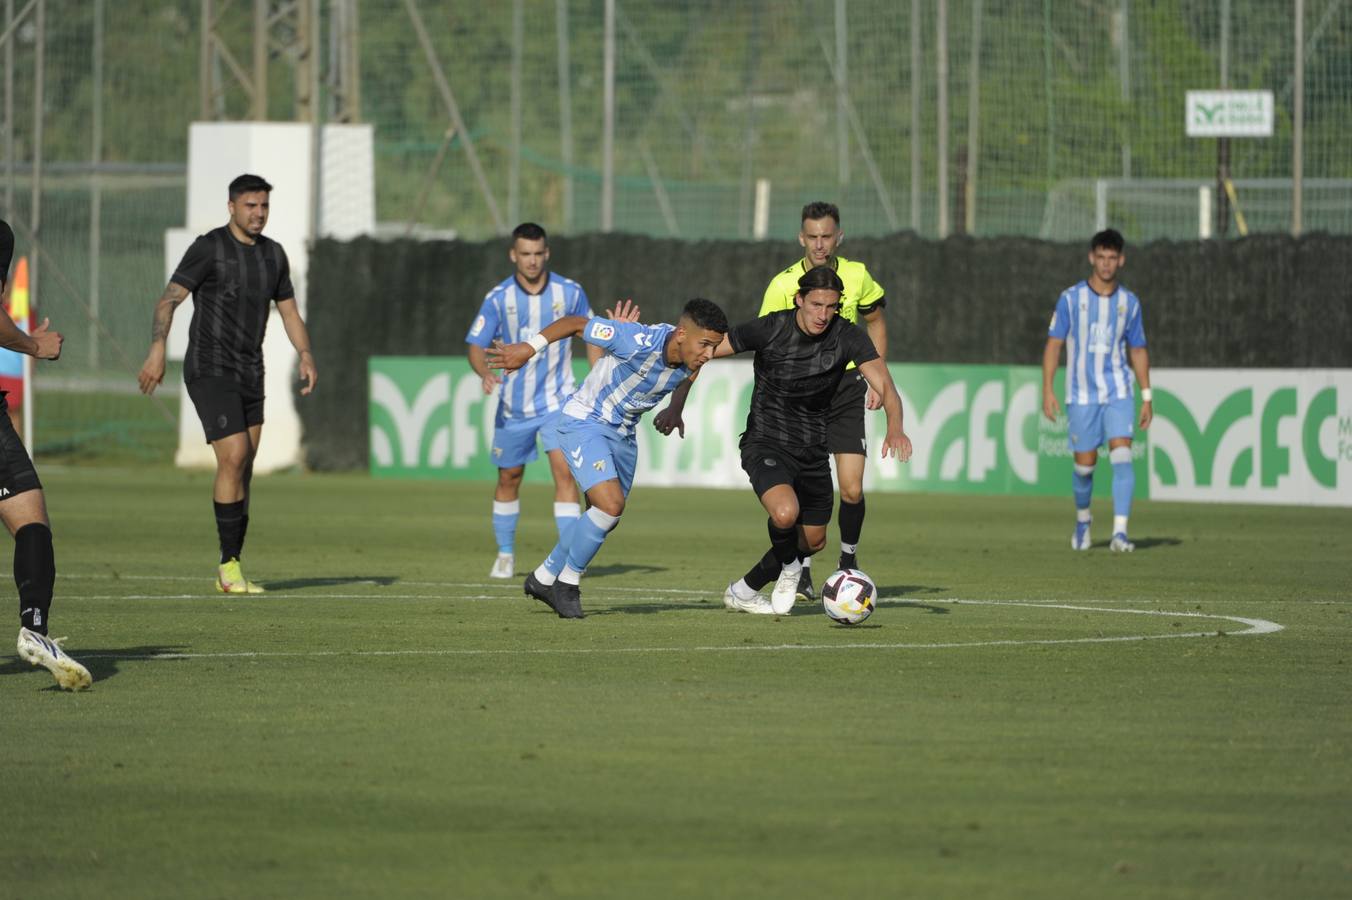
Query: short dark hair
{"x": 1108, "y": 239}
{"x": 529, "y": 231}
{"x": 820, "y": 278}
{"x": 706, "y": 314}
{"x": 248, "y": 184}
{"x": 820, "y": 209}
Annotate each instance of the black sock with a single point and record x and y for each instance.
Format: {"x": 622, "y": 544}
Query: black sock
{"x": 243, "y": 529}
{"x": 35, "y": 574}
{"x": 763, "y": 572}
{"x": 851, "y": 521}
{"x": 783, "y": 542}
{"x": 230, "y": 529}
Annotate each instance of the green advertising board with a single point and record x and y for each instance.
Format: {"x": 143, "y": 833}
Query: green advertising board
{"x": 1264, "y": 436}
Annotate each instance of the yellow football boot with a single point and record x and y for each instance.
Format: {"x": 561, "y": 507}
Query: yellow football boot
{"x": 230, "y": 580}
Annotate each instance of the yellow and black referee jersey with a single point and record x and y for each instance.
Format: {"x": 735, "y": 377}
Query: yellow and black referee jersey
{"x": 862, "y": 293}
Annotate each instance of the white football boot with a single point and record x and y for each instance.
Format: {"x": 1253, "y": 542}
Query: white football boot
{"x": 41, "y": 650}
{"x": 786, "y": 589}
{"x": 1120, "y": 544}
{"x": 757, "y": 605}
{"x": 504, "y": 566}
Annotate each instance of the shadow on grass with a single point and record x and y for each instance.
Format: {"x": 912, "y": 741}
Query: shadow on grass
{"x": 296, "y": 584}
{"x": 623, "y": 569}
{"x": 1142, "y": 543}
{"x": 102, "y": 663}
{"x": 890, "y": 595}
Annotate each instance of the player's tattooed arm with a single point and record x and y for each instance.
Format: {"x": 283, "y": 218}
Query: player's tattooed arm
{"x": 152, "y": 371}
{"x": 173, "y": 295}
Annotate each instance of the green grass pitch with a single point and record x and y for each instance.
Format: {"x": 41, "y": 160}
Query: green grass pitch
{"x": 386, "y": 722}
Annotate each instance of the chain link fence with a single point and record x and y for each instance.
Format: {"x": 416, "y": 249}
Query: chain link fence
{"x": 1035, "y": 118}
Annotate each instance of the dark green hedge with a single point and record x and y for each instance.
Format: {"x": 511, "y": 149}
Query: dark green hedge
{"x": 1261, "y": 302}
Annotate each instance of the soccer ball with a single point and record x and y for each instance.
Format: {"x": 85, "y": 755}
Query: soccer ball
{"x": 848, "y": 596}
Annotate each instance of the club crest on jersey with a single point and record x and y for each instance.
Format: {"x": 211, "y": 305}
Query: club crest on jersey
{"x": 828, "y": 359}
{"x": 602, "y": 331}
{"x": 558, "y": 308}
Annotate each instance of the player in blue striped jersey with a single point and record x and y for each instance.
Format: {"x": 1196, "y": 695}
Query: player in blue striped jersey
{"x": 518, "y": 308}
{"x": 643, "y": 364}
{"x": 1099, "y": 323}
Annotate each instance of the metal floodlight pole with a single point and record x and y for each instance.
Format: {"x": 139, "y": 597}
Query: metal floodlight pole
{"x": 9, "y": 107}
{"x": 842, "y": 90}
{"x": 973, "y": 123}
{"x": 915, "y": 115}
{"x": 1298, "y": 127}
{"x": 312, "y": 74}
{"x": 96, "y": 187}
{"x": 565, "y": 111}
{"x": 259, "y": 111}
{"x": 608, "y": 124}
{"x": 1124, "y": 76}
{"x": 35, "y": 213}
{"x": 941, "y": 75}
{"x": 514, "y": 151}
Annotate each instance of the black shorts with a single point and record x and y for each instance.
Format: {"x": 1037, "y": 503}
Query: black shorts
{"x": 226, "y": 406}
{"x": 845, "y": 421}
{"x": 16, "y": 466}
{"x": 808, "y": 472}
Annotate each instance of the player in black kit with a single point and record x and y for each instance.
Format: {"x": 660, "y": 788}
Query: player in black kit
{"x": 801, "y": 357}
{"x": 234, "y": 274}
{"x": 23, "y": 508}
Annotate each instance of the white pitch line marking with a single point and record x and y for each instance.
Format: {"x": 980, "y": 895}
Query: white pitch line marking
{"x": 1255, "y": 627}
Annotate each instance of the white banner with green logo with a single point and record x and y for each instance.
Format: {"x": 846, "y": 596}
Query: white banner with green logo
{"x": 1252, "y": 436}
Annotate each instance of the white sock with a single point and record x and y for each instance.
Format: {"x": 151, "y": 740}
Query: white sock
{"x": 806, "y": 561}
{"x": 569, "y": 575}
{"x": 544, "y": 576}
{"x": 849, "y": 549}
{"x": 1119, "y": 524}
{"x": 794, "y": 567}
{"x": 1082, "y": 515}
{"x": 741, "y": 590}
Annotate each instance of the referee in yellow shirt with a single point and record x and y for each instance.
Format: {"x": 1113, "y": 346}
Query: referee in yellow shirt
{"x": 862, "y": 302}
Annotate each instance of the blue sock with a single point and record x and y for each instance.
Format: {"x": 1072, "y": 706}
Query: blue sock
{"x": 1124, "y": 480}
{"x": 504, "y": 524}
{"x": 1082, "y": 483}
{"x": 554, "y": 562}
{"x": 585, "y": 538}
{"x": 565, "y": 514}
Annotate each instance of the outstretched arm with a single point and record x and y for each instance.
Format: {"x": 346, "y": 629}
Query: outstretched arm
{"x": 42, "y": 343}
{"x": 300, "y": 339}
{"x": 896, "y": 443}
{"x": 514, "y": 356}
{"x": 669, "y": 419}
{"x": 152, "y": 371}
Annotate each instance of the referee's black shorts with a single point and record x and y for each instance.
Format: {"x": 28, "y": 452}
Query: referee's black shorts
{"x": 225, "y": 405}
{"x": 16, "y": 466}
{"x": 808, "y": 472}
{"x": 845, "y": 421}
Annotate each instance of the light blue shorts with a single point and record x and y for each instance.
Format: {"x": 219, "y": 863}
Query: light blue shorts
{"x": 1094, "y": 424}
{"x": 514, "y": 440}
{"x": 596, "y": 453}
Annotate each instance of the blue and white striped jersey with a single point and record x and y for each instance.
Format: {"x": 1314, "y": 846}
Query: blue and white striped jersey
{"x": 544, "y": 383}
{"x": 1097, "y": 331}
{"x": 630, "y": 379}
